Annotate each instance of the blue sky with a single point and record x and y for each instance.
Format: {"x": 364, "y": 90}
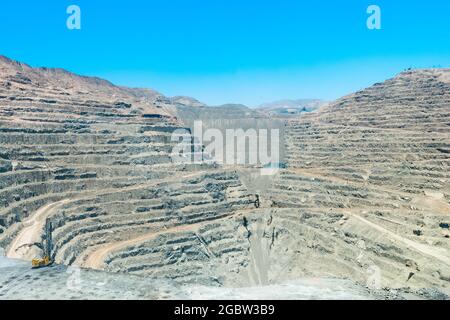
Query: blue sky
{"x": 240, "y": 51}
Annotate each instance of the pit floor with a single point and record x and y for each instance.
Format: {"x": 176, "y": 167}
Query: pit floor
{"x": 19, "y": 281}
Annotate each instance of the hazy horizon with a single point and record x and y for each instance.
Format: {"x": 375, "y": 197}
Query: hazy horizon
{"x": 218, "y": 52}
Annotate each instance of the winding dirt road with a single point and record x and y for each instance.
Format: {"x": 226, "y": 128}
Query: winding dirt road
{"x": 430, "y": 201}
{"x": 96, "y": 258}
{"x": 437, "y": 253}
{"x": 24, "y": 245}
{"x": 21, "y": 247}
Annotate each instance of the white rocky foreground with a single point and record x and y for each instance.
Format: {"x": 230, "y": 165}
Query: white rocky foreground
{"x": 364, "y": 191}
{"x": 19, "y": 281}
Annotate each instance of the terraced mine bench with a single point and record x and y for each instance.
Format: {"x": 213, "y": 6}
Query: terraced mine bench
{"x": 364, "y": 194}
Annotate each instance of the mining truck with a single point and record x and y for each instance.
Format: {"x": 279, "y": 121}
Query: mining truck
{"x": 47, "y": 245}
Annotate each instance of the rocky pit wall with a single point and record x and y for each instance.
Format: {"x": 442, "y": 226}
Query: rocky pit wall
{"x": 364, "y": 196}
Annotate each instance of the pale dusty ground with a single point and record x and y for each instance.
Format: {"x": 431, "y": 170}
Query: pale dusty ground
{"x": 19, "y": 281}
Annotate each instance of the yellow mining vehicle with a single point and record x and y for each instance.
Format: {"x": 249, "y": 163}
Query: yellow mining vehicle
{"x": 40, "y": 263}
{"x": 46, "y": 260}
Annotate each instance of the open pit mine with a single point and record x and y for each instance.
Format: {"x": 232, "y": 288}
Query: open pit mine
{"x": 89, "y": 193}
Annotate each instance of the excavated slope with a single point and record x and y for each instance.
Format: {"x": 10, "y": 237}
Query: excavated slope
{"x": 95, "y": 160}
{"x": 365, "y": 195}
{"x": 367, "y": 190}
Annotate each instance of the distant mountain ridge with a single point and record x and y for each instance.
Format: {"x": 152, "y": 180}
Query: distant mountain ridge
{"x": 187, "y": 101}
{"x": 291, "y": 106}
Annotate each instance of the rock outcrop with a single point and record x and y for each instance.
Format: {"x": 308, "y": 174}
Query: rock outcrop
{"x": 95, "y": 159}
{"x": 364, "y": 195}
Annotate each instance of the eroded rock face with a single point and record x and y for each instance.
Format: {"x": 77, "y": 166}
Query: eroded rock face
{"x": 362, "y": 175}
{"x": 95, "y": 159}
{"x": 365, "y": 173}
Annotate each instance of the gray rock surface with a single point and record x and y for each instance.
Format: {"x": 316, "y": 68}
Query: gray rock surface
{"x": 364, "y": 196}
{"x": 19, "y": 281}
